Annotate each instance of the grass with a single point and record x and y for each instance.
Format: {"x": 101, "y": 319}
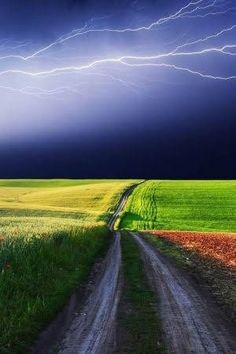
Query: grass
{"x": 37, "y": 276}
{"x": 44, "y": 183}
{"x": 182, "y": 205}
{"x": 51, "y": 233}
{"x": 48, "y": 207}
{"x": 140, "y": 321}
{"x": 86, "y": 199}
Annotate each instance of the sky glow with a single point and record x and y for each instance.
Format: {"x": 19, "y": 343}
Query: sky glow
{"x": 87, "y": 71}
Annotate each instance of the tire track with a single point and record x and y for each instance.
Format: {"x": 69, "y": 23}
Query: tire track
{"x": 188, "y": 324}
{"x": 92, "y": 331}
{"x": 121, "y": 205}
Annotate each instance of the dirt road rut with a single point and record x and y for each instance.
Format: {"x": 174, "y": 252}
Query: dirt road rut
{"x": 188, "y": 324}
{"x": 92, "y": 331}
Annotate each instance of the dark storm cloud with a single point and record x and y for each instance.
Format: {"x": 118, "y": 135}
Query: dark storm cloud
{"x": 38, "y": 18}
{"x": 202, "y": 152}
{"x": 178, "y": 127}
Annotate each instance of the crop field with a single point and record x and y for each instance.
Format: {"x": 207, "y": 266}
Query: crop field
{"x": 51, "y": 233}
{"x": 182, "y": 205}
{"x": 91, "y": 201}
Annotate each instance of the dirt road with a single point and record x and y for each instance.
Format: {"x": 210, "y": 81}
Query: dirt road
{"x": 190, "y": 323}
{"x": 121, "y": 205}
{"x": 92, "y": 331}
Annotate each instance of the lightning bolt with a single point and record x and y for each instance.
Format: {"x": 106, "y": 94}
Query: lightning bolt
{"x": 119, "y": 60}
{"x": 205, "y": 39}
{"x": 182, "y": 51}
{"x": 181, "y": 13}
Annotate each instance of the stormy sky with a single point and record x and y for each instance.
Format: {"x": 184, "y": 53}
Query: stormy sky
{"x": 143, "y": 88}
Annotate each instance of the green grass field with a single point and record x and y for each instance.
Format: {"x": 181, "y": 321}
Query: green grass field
{"x": 51, "y": 233}
{"x": 182, "y": 205}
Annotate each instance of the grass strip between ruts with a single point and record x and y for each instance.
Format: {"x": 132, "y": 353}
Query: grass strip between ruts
{"x": 140, "y": 321}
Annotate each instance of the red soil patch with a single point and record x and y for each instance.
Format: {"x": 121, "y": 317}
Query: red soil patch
{"x": 219, "y": 246}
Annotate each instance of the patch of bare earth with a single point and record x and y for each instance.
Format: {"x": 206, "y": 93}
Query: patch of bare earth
{"x": 211, "y": 257}
{"x": 219, "y": 246}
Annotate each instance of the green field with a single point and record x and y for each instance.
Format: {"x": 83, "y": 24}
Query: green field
{"x": 51, "y": 233}
{"x": 182, "y": 205}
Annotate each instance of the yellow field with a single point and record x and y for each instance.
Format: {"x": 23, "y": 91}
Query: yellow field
{"x": 33, "y": 208}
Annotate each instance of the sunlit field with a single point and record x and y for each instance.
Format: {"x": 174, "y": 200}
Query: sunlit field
{"x": 51, "y": 233}
{"x": 43, "y": 207}
{"x": 86, "y": 201}
{"x": 182, "y": 205}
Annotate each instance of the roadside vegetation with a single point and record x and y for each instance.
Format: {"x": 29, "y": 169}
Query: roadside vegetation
{"x": 37, "y": 276}
{"x": 140, "y": 327}
{"x": 51, "y": 233}
{"x": 182, "y": 205}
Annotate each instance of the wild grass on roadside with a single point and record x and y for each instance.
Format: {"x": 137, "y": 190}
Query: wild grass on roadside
{"x": 37, "y": 275}
{"x": 140, "y": 321}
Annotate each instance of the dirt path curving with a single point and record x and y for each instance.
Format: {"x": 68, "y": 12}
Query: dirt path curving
{"x": 190, "y": 323}
{"x": 121, "y": 205}
{"x": 93, "y": 330}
